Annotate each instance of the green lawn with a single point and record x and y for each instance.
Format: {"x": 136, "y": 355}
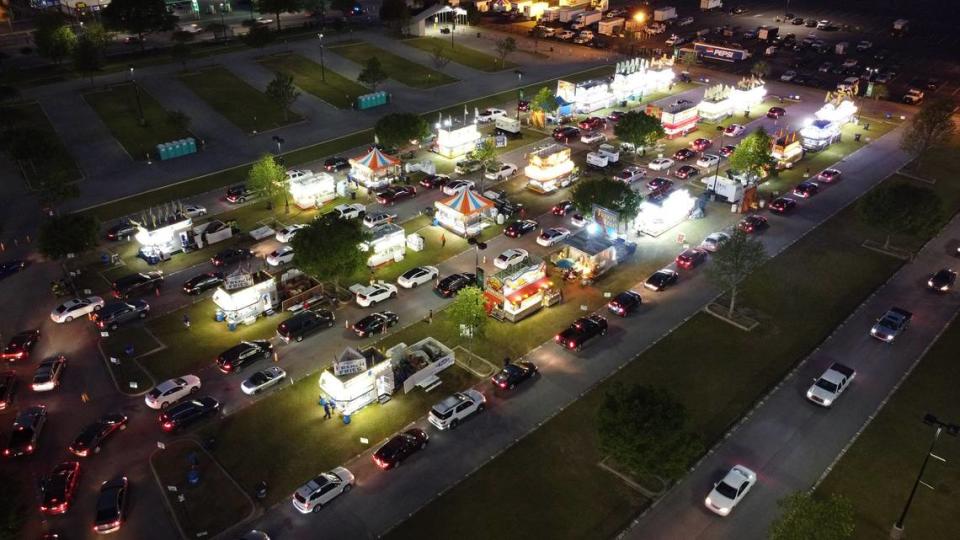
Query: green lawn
{"x": 397, "y": 68}
{"x": 240, "y": 103}
{"x": 458, "y": 53}
{"x": 117, "y": 107}
{"x": 57, "y": 158}
{"x": 127, "y": 368}
{"x": 326, "y": 84}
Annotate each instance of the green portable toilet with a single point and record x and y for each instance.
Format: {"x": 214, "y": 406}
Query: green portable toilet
{"x": 179, "y": 149}
{"x": 191, "y": 145}
{"x": 161, "y": 152}
{"x": 166, "y": 152}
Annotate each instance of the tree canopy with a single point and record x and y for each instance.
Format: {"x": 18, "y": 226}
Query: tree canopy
{"x": 88, "y": 56}
{"x": 608, "y": 193}
{"x": 373, "y": 73}
{"x": 268, "y": 177}
{"x": 804, "y": 516}
{"x": 931, "y": 127}
{"x": 639, "y": 129}
{"x": 901, "y": 208}
{"x": 71, "y": 233}
{"x": 467, "y": 310}
{"x": 504, "y": 48}
{"x": 752, "y": 155}
{"x": 138, "y": 17}
{"x": 398, "y": 129}
{"x": 282, "y": 91}
{"x": 733, "y": 261}
{"x": 329, "y": 248}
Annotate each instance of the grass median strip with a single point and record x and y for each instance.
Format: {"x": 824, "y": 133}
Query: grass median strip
{"x": 309, "y": 76}
{"x": 56, "y": 156}
{"x": 455, "y": 52}
{"x": 119, "y": 107}
{"x": 397, "y": 68}
{"x": 240, "y": 103}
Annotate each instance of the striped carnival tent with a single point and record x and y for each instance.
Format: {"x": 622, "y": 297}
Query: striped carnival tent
{"x": 463, "y": 213}
{"x": 374, "y": 168}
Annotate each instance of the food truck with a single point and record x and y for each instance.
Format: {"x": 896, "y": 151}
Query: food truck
{"x": 312, "y": 190}
{"x": 246, "y": 295}
{"x": 455, "y": 139}
{"x": 519, "y": 291}
{"x": 549, "y": 168}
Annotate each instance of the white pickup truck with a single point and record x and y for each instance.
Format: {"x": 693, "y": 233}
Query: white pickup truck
{"x": 831, "y": 384}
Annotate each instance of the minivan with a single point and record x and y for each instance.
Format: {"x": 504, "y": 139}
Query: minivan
{"x": 304, "y": 323}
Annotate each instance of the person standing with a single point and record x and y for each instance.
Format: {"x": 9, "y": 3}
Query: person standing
{"x": 326, "y": 411}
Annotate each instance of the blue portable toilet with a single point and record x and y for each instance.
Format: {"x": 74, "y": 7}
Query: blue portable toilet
{"x": 191, "y": 145}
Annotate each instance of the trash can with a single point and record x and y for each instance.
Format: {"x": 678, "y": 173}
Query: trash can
{"x": 346, "y": 419}
{"x": 232, "y": 326}
{"x": 219, "y": 316}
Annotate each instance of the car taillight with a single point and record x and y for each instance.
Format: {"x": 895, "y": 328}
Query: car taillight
{"x": 380, "y": 463}
{"x": 81, "y": 453}
{"x": 572, "y": 344}
{"x": 29, "y": 448}
{"x": 228, "y": 366}
{"x": 502, "y": 384}
{"x": 168, "y": 426}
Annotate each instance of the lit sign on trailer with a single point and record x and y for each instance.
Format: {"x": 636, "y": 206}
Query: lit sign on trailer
{"x": 723, "y": 54}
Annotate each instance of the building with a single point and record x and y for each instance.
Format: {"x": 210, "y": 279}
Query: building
{"x": 312, "y": 190}
{"x": 356, "y": 379}
{"x": 786, "y": 149}
{"x": 464, "y": 213}
{"x": 587, "y": 254}
{"x": 639, "y": 77}
{"x": 826, "y": 127}
{"x": 244, "y": 296}
{"x": 678, "y": 118}
{"x": 388, "y": 242}
{"x": 549, "y": 168}
{"x": 455, "y": 139}
{"x": 657, "y": 215}
{"x": 374, "y": 169}
{"x": 161, "y": 238}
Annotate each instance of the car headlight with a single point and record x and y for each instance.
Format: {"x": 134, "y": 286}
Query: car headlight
{"x": 889, "y": 337}
{"x": 809, "y": 394}
{"x": 827, "y": 402}
{"x": 930, "y": 283}
{"x": 723, "y": 511}
{"x": 945, "y": 287}
{"x": 873, "y": 331}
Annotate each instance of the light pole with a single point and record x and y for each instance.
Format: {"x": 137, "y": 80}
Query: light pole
{"x": 952, "y": 429}
{"x": 223, "y": 27}
{"x": 136, "y": 89}
{"x": 323, "y": 67}
{"x": 478, "y": 245}
{"x": 719, "y": 148}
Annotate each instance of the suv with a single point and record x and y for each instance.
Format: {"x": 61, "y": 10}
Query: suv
{"x": 311, "y": 496}
{"x": 26, "y": 431}
{"x": 246, "y": 352}
{"x": 186, "y": 413}
{"x": 137, "y": 284}
{"x": 304, "y": 323}
{"x": 230, "y": 256}
{"x": 448, "y": 413}
{"x": 115, "y": 314}
{"x": 240, "y": 194}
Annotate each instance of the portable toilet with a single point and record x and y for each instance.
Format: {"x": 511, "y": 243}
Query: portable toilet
{"x": 191, "y": 145}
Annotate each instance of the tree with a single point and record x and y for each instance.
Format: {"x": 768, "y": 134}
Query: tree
{"x": 179, "y": 120}
{"x": 279, "y": 6}
{"x": 139, "y": 17}
{"x": 71, "y": 233}
{"x": 58, "y": 45}
{"x": 398, "y": 129}
{"x": 373, "y": 73}
{"x": 328, "y": 248}
{"x": 752, "y": 156}
{"x": 468, "y": 311}
{"x": 282, "y": 90}
{"x": 639, "y": 129}
{"x": 931, "y": 127}
{"x": 544, "y": 102}
{"x": 259, "y": 36}
{"x": 689, "y": 58}
{"x": 642, "y": 428}
{"x": 268, "y": 177}
{"x": 47, "y": 25}
{"x": 607, "y": 193}
{"x": 87, "y": 56}
{"x": 486, "y": 154}
{"x": 733, "y": 262}
{"x": 473, "y": 14}
{"x": 440, "y": 61}
{"x": 803, "y": 517}
{"x": 504, "y": 48}
{"x": 393, "y": 10}
{"x": 760, "y": 68}
{"x": 880, "y": 91}
{"x": 181, "y": 52}
{"x": 54, "y": 187}
{"x": 901, "y": 208}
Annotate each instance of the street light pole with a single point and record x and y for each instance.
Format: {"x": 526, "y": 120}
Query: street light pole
{"x": 136, "y": 89}
{"x": 719, "y": 148}
{"x": 323, "y": 67}
{"x": 223, "y": 27}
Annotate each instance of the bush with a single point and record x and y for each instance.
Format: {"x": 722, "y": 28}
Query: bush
{"x": 72, "y": 233}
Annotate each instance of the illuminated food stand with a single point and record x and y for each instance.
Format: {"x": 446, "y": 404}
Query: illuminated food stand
{"x": 717, "y": 103}
{"x": 244, "y": 296}
{"x": 159, "y": 240}
{"x": 464, "y": 213}
{"x": 658, "y": 215}
{"x": 312, "y": 190}
{"x": 638, "y": 77}
{"x": 585, "y": 97}
{"x": 786, "y": 149}
{"x": 388, "y": 242}
{"x": 374, "y": 169}
{"x": 748, "y": 93}
{"x": 549, "y": 168}
{"x": 519, "y": 291}
{"x": 825, "y": 129}
{"x": 455, "y": 140}
{"x": 355, "y": 379}
{"x": 679, "y": 118}
{"x": 588, "y": 254}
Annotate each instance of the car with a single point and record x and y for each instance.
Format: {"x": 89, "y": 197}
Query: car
{"x": 229, "y": 256}
{"x": 312, "y": 496}
{"x": 336, "y": 163}
{"x": 452, "y": 284}
{"x": 828, "y": 387}
{"x": 193, "y": 210}
{"x": 829, "y": 175}
{"x": 349, "y": 211}
{"x": 520, "y": 228}
{"x": 286, "y": 234}
{"x": 701, "y": 144}
{"x": 263, "y": 379}
{"x": 615, "y": 116}
{"x": 304, "y": 323}
{"x": 864, "y": 45}
{"x": 513, "y": 374}
{"x": 171, "y": 391}
{"x": 77, "y": 307}
{"x": 691, "y": 258}
{"x": 243, "y": 354}
{"x": 377, "y": 218}
{"x": 552, "y": 236}
{"x": 449, "y": 412}
{"x": 891, "y": 324}
{"x": 660, "y": 164}
{"x": 850, "y": 62}
{"x": 417, "y": 276}
{"x": 395, "y": 194}
{"x": 783, "y": 205}
{"x": 523, "y": 105}
{"x": 20, "y": 345}
{"x": 727, "y": 151}
{"x": 753, "y": 224}
{"x": 579, "y": 220}
{"x": 25, "y": 436}
{"x": 375, "y": 293}
{"x": 825, "y": 67}
{"x": 731, "y": 490}
{"x": 562, "y": 208}
{"x": 660, "y": 185}
{"x": 707, "y": 161}
{"x": 593, "y": 123}
{"x": 432, "y": 181}
{"x": 565, "y": 35}
{"x": 187, "y": 412}
{"x": 942, "y": 281}
{"x": 490, "y": 114}
{"x": 806, "y": 189}
{"x": 661, "y": 279}
{"x": 624, "y": 303}
{"x": 58, "y": 488}
{"x": 202, "y": 282}
{"x": 91, "y": 438}
{"x": 121, "y": 231}
{"x": 591, "y": 137}
{"x": 565, "y": 134}
{"x": 48, "y": 373}
{"x": 796, "y": 20}
{"x": 776, "y": 112}
{"x": 111, "y": 506}
{"x": 8, "y": 388}
{"x": 580, "y": 331}
{"x": 239, "y": 194}
{"x": 684, "y": 154}
{"x": 375, "y": 323}
{"x": 137, "y": 284}
{"x": 118, "y": 313}
{"x": 452, "y": 188}
{"x": 510, "y": 257}
{"x": 500, "y": 171}
{"x": 280, "y": 256}
{"x": 713, "y": 241}
{"x": 8, "y": 268}
{"x": 734, "y": 130}
{"x": 400, "y": 447}
{"x": 296, "y": 174}
{"x": 468, "y": 165}
{"x": 788, "y": 75}
{"x": 631, "y": 174}
{"x": 686, "y": 171}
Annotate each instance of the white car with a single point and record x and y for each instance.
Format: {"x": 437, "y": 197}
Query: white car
{"x": 510, "y": 257}
{"x": 376, "y": 293}
{"x": 287, "y": 233}
{"x": 631, "y": 174}
{"x": 660, "y": 164}
{"x": 377, "y": 218}
{"x": 788, "y": 76}
{"x": 294, "y": 174}
{"x": 311, "y": 496}
{"x": 553, "y": 235}
{"x": 281, "y": 255}
{"x": 263, "y": 379}
{"x": 731, "y": 490}
{"x": 565, "y": 35}
{"x": 489, "y": 115}
{"x": 831, "y": 384}
{"x": 713, "y": 241}
{"x": 194, "y": 210}
{"x": 349, "y": 211}
{"x": 171, "y": 391}
{"x": 452, "y": 188}
{"x": 734, "y": 130}
{"x": 850, "y": 62}
{"x": 864, "y": 45}
{"x": 78, "y": 307}
{"x": 708, "y": 160}
{"x": 452, "y": 410}
{"x": 501, "y": 171}
{"x": 591, "y": 137}
{"x": 417, "y": 276}
{"x": 579, "y": 220}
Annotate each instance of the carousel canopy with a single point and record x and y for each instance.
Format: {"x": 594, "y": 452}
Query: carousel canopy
{"x": 375, "y": 160}
{"x": 468, "y": 202}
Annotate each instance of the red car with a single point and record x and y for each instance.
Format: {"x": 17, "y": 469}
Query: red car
{"x": 782, "y": 205}
{"x": 660, "y": 184}
{"x": 701, "y": 144}
{"x": 686, "y": 171}
{"x": 562, "y": 208}
{"x": 59, "y": 487}
{"x": 434, "y": 181}
{"x": 726, "y": 151}
{"x": 829, "y": 175}
{"x": 683, "y": 154}
{"x": 393, "y": 195}
{"x": 20, "y": 345}
{"x": 753, "y": 224}
{"x": 806, "y": 189}
{"x": 593, "y": 123}
{"x": 691, "y": 258}
{"x": 776, "y": 112}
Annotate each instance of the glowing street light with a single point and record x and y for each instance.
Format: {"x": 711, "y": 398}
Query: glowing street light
{"x": 639, "y": 17}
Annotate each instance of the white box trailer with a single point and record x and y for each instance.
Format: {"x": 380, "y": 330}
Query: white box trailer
{"x": 587, "y": 18}
{"x": 665, "y": 13}
{"x": 611, "y": 27}
{"x": 418, "y": 365}
{"x": 725, "y": 188}
{"x": 707, "y": 5}
{"x": 569, "y": 14}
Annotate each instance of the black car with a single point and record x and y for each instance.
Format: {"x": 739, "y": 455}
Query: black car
{"x": 562, "y": 208}
{"x": 776, "y": 112}
{"x": 520, "y": 228}
{"x": 121, "y": 231}
{"x": 187, "y": 412}
{"x": 582, "y": 330}
{"x": 304, "y": 323}
{"x": 942, "y": 281}
{"x": 11, "y": 267}
{"x": 115, "y": 314}
{"x": 683, "y": 154}
{"x": 27, "y": 427}
{"x": 624, "y": 303}
{"x": 58, "y": 488}
{"x": 452, "y": 284}
{"x": 230, "y": 256}
{"x": 93, "y": 435}
{"x": 661, "y": 279}
{"x": 513, "y": 374}
{"x": 203, "y": 282}
{"x": 615, "y": 116}
{"x": 8, "y": 387}
{"x": 243, "y": 354}
{"x": 137, "y": 284}
{"x": 337, "y": 163}
{"x": 400, "y": 447}
{"x": 395, "y": 194}
{"x": 753, "y": 224}
{"x": 239, "y": 194}
{"x": 375, "y": 323}
{"x": 806, "y": 189}
{"x": 20, "y": 345}
{"x": 111, "y": 506}
{"x": 566, "y": 133}
{"x": 432, "y": 181}
{"x": 782, "y": 205}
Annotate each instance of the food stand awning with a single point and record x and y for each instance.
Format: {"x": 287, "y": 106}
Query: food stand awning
{"x": 463, "y": 212}
{"x": 374, "y": 168}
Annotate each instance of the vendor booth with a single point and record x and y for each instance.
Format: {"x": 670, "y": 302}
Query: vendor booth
{"x": 519, "y": 291}
{"x": 464, "y": 213}
{"x": 748, "y": 93}
{"x": 455, "y": 139}
{"x": 244, "y": 296}
{"x": 586, "y": 255}
{"x": 388, "y": 242}
{"x": 312, "y": 190}
{"x": 678, "y": 118}
{"x": 658, "y": 215}
{"x": 356, "y": 379}
{"x": 716, "y": 104}
{"x": 160, "y": 239}
{"x": 417, "y": 366}
{"x": 639, "y": 77}
{"x": 786, "y": 149}
{"x": 584, "y": 97}
{"x": 549, "y": 169}
{"x": 374, "y": 169}
{"x": 826, "y": 128}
